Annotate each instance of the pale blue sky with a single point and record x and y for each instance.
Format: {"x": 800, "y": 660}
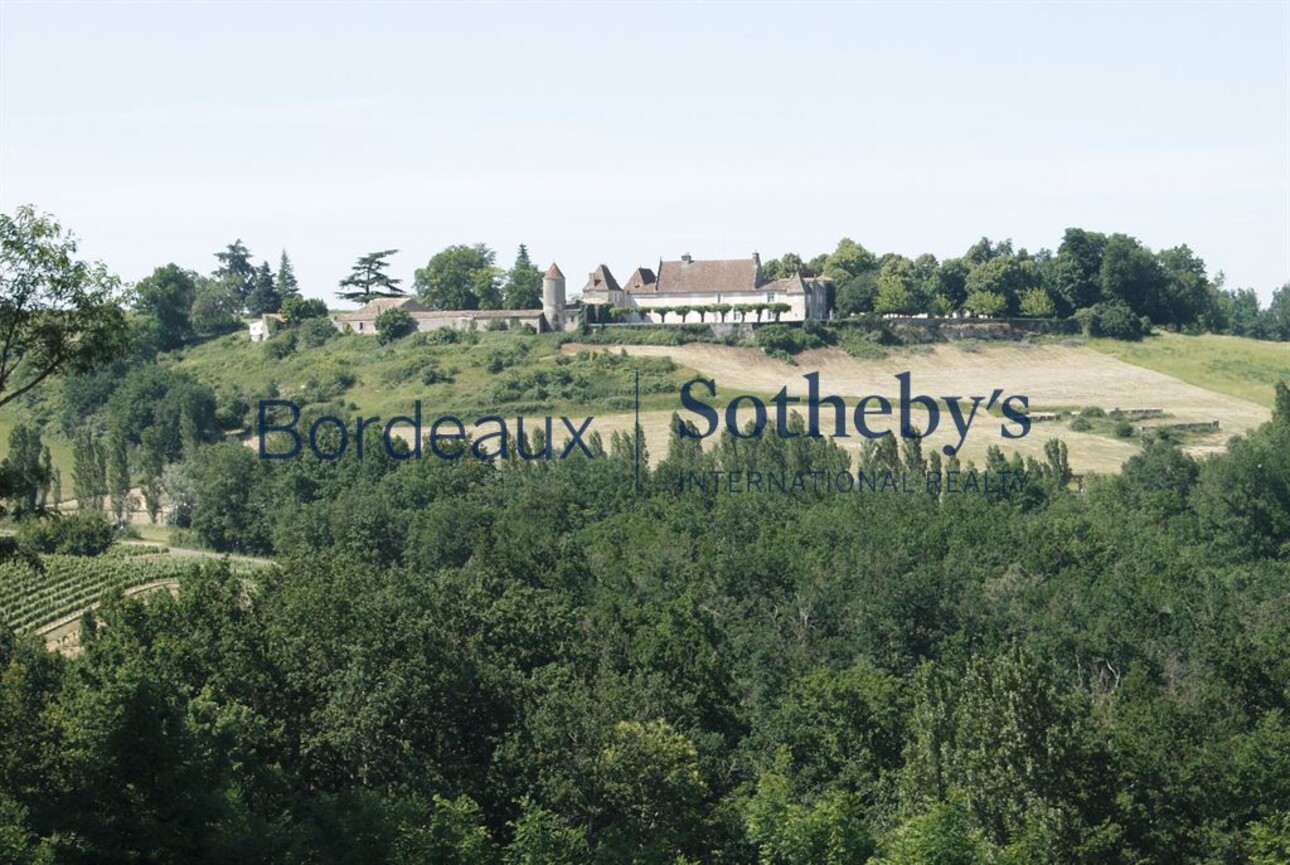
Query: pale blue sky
{"x": 616, "y": 133}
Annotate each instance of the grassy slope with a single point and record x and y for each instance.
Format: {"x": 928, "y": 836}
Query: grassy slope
{"x": 389, "y": 377}
{"x": 1239, "y": 367}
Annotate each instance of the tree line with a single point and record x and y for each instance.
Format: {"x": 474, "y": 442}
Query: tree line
{"x": 1115, "y": 284}
{"x": 463, "y": 663}
{"x": 1112, "y": 283}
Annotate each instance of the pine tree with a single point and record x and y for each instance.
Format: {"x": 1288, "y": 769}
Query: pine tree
{"x": 523, "y": 286}
{"x": 236, "y": 270}
{"x": 287, "y": 285}
{"x": 368, "y": 279}
{"x": 264, "y": 293}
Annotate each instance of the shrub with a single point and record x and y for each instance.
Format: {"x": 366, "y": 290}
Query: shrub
{"x": 231, "y": 409}
{"x": 1081, "y": 424}
{"x": 393, "y": 324}
{"x": 84, "y": 533}
{"x": 497, "y": 324}
{"x": 1112, "y": 319}
{"x": 401, "y": 373}
{"x": 297, "y": 309}
{"x": 864, "y": 344}
{"x": 432, "y": 374}
{"x": 329, "y": 381}
{"x": 780, "y": 339}
{"x": 314, "y": 332}
{"x": 1124, "y": 429}
{"x": 438, "y": 336}
{"x": 281, "y": 345}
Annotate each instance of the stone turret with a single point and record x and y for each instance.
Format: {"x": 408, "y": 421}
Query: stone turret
{"x": 553, "y": 297}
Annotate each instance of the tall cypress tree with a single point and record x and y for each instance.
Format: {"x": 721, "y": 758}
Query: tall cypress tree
{"x": 89, "y": 470}
{"x": 152, "y": 463}
{"x": 118, "y": 475}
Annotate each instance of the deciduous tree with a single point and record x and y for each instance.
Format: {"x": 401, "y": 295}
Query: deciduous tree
{"x": 56, "y": 312}
{"x": 459, "y": 277}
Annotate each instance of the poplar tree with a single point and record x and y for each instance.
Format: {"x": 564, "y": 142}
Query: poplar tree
{"x": 27, "y": 471}
{"x": 89, "y": 470}
{"x": 118, "y": 474}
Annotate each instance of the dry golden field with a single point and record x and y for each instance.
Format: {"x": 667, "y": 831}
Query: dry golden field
{"x": 1054, "y": 376}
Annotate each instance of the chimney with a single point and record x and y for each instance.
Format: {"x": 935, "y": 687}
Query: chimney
{"x": 686, "y": 258}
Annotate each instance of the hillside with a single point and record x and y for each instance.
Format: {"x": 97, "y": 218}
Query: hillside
{"x": 482, "y": 372}
{"x": 1056, "y": 376}
{"x": 1232, "y": 365}
{"x": 1192, "y": 379}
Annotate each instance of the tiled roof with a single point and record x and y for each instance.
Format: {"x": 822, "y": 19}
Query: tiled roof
{"x": 690, "y": 276}
{"x": 477, "y": 313}
{"x": 553, "y": 272}
{"x": 642, "y": 279}
{"x": 378, "y": 305}
{"x": 786, "y": 285}
{"x": 601, "y": 279}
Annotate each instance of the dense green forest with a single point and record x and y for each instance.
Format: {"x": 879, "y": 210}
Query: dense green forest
{"x": 455, "y": 662}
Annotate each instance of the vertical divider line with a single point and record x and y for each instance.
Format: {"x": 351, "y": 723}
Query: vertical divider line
{"x": 636, "y": 432}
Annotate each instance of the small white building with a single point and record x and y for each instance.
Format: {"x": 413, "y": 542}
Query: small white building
{"x": 263, "y": 327}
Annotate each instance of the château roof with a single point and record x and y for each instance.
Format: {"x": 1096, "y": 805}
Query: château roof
{"x": 690, "y": 276}
{"x": 788, "y": 285}
{"x": 601, "y": 279}
{"x": 553, "y": 272}
{"x": 642, "y": 279}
